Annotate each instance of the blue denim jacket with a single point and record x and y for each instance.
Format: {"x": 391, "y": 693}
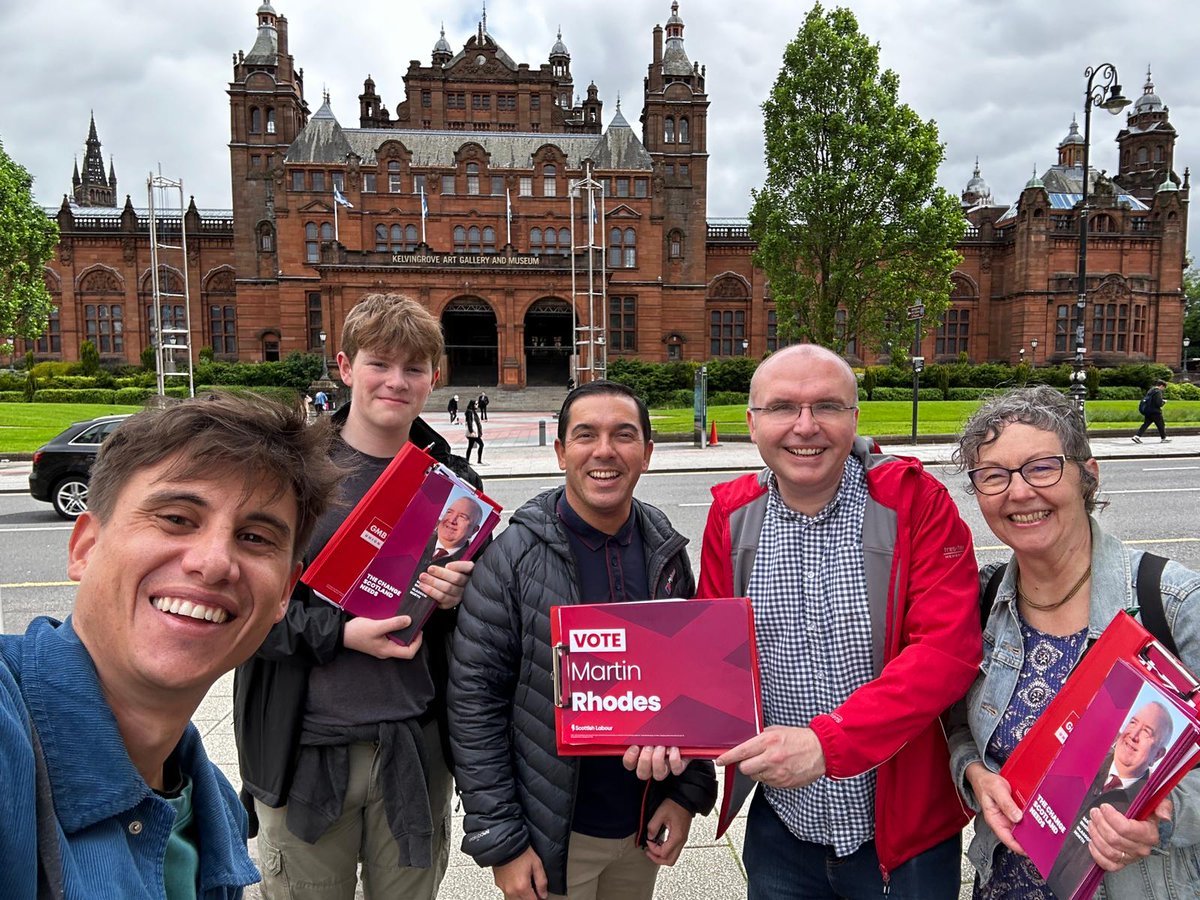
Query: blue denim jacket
{"x": 1171, "y": 874}
{"x": 112, "y": 828}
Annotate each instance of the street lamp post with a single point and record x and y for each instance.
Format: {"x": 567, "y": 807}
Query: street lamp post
{"x": 1106, "y": 95}
{"x": 745, "y": 347}
{"x": 324, "y": 359}
{"x": 1186, "y": 343}
{"x": 1033, "y": 351}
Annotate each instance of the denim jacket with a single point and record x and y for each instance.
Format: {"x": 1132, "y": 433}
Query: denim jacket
{"x": 112, "y": 828}
{"x": 1173, "y": 871}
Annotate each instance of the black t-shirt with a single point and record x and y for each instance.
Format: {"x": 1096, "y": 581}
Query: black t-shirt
{"x": 353, "y": 688}
{"x": 612, "y": 569}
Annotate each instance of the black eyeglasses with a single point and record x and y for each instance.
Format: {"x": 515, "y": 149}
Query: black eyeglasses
{"x": 1044, "y": 472}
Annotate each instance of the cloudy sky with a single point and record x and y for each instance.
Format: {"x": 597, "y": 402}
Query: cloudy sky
{"x": 1002, "y": 78}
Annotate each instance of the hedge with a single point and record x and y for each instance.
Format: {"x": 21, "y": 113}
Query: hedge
{"x": 898, "y": 393}
{"x": 81, "y": 395}
{"x": 12, "y": 396}
{"x": 728, "y": 398}
{"x": 970, "y": 393}
{"x": 1121, "y": 393}
{"x": 133, "y": 396}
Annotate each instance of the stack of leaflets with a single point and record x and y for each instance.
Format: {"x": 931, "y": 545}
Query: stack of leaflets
{"x": 417, "y": 514}
{"x": 1123, "y": 739}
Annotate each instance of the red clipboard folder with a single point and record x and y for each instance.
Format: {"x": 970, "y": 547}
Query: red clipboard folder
{"x": 1123, "y": 639}
{"x": 370, "y": 565}
{"x": 679, "y": 673}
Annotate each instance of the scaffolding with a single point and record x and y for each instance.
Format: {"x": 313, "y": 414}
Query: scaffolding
{"x": 171, "y": 327}
{"x": 589, "y": 360}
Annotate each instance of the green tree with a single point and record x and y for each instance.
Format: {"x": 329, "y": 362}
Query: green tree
{"x": 27, "y": 239}
{"x": 89, "y": 357}
{"x": 850, "y": 217}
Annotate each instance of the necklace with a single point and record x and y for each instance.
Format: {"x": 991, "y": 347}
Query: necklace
{"x": 1087, "y": 573}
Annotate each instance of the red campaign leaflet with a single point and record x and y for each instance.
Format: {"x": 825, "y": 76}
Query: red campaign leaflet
{"x": 1124, "y": 638}
{"x": 1133, "y": 742}
{"x": 371, "y": 564}
{"x": 679, "y": 673}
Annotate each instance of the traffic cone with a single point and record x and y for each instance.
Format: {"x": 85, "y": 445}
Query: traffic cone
{"x": 712, "y": 437}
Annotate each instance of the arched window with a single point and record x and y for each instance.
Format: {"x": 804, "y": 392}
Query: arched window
{"x": 683, "y": 131}
{"x": 1159, "y": 155}
{"x": 474, "y": 242}
{"x": 1143, "y": 155}
{"x": 397, "y": 238}
{"x": 675, "y": 244}
{"x": 326, "y": 231}
{"x": 551, "y": 241}
{"x": 489, "y": 239}
{"x": 410, "y": 237}
{"x": 255, "y": 120}
{"x": 270, "y": 120}
{"x": 312, "y": 248}
{"x": 266, "y": 238}
{"x": 622, "y": 249}
{"x": 564, "y": 241}
{"x": 549, "y": 181}
{"x": 535, "y": 241}
{"x": 1102, "y": 224}
{"x": 460, "y": 239}
{"x": 472, "y": 178}
{"x": 669, "y": 130}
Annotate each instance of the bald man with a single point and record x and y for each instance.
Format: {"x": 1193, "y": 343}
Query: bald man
{"x": 1122, "y": 776}
{"x": 865, "y": 593}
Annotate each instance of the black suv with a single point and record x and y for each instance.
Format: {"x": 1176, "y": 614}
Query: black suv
{"x": 61, "y": 467}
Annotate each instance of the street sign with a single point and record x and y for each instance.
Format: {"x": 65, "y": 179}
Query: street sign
{"x": 917, "y": 311}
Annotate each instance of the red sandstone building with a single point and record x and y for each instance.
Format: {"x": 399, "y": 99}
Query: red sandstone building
{"x": 463, "y": 196}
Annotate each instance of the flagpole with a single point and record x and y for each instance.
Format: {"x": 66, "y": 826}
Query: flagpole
{"x": 423, "y": 214}
{"x": 508, "y": 215}
{"x": 335, "y": 218}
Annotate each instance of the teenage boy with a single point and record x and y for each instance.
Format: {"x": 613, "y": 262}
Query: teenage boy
{"x": 340, "y": 731}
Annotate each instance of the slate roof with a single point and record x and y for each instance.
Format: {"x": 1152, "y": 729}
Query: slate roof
{"x": 323, "y": 140}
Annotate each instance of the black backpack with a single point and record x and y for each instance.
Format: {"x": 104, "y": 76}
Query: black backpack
{"x": 1149, "y": 594}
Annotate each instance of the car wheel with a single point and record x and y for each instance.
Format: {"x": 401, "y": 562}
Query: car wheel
{"x": 70, "y": 496}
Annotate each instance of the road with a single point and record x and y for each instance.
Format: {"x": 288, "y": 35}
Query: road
{"x": 1152, "y": 503}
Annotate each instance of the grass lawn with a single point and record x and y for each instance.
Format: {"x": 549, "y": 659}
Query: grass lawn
{"x": 26, "y": 426}
{"x": 894, "y": 417}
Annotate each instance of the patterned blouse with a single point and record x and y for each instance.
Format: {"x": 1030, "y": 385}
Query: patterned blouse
{"x": 1047, "y": 662}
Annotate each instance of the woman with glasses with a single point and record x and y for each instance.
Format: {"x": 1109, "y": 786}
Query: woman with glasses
{"x": 1032, "y": 472}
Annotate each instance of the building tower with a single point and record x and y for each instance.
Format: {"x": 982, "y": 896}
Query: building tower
{"x": 675, "y": 132}
{"x": 267, "y": 111}
{"x": 94, "y": 188}
{"x": 1147, "y": 146}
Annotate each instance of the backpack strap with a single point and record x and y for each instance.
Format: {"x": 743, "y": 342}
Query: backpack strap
{"x": 988, "y": 598}
{"x": 50, "y": 870}
{"x": 1150, "y": 605}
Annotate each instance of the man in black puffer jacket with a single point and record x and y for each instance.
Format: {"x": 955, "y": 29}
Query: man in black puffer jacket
{"x": 545, "y": 822}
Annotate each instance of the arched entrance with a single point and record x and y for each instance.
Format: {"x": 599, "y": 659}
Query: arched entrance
{"x": 469, "y": 324}
{"x": 548, "y": 342}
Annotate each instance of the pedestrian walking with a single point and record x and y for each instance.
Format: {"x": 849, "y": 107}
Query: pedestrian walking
{"x": 483, "y": 405}
{"x": 452, "y": 408}
{"x": 474, "y": 431}
{"x": 1151, "y": 407}
{"x": 570, "y": 383}
{"x": 321, "y": 401}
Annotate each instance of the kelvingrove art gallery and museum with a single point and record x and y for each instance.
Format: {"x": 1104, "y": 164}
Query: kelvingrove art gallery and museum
{"x": 537, "y": 223}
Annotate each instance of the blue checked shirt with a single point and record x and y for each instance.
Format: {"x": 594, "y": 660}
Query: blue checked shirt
{"x": 809, "y": 590}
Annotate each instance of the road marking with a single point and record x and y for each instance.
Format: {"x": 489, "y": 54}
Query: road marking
{"x": 37, "y": 584}
{"x": 1173, "y": 469}
{"x": 1138, "y": 542}
{"x": 1177, "y": 490}
{"x": 709, "y": 503}
{"x": 37, "y": 528}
